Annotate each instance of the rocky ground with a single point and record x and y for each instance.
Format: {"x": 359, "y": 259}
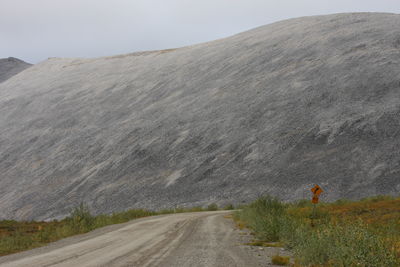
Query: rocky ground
{"x": 272, "y": 110}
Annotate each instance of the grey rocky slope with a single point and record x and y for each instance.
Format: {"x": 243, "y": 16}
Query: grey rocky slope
{"x": 10, "y": 67}
{"x": 271, "y": 110}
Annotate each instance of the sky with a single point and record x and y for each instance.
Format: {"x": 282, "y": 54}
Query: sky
{"x": 34, "y": 30}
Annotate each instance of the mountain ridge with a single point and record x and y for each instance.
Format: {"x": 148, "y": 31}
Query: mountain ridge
{"x": 11, "y": 66}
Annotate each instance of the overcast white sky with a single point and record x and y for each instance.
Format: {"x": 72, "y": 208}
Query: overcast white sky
{"x": 34, "y": 30}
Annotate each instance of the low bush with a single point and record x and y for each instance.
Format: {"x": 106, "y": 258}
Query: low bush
{"x": 212, "y": 207}
{"x": 80, "y": 220}
{"x": 265, "y": 217}
{"x": 229, "y": 207}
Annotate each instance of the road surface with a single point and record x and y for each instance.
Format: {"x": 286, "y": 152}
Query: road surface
{"x": 186, "y": 239}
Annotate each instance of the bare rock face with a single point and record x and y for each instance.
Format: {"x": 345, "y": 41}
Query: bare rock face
{"x": 10, "y": 67}
{"x": 272, "y": 110}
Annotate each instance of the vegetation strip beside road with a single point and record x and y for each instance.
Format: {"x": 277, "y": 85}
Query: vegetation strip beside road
{"x": 18, "y": 236}
{"x": 345, "y": 233}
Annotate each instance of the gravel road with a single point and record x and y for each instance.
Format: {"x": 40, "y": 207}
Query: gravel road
{"x": 188, "y": 239}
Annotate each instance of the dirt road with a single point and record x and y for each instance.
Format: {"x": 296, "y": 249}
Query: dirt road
{"x": 187, "y": 239}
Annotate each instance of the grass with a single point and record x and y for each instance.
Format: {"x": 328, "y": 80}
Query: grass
{"x": 18, "y": 236}
{"x": 345, "y": 233}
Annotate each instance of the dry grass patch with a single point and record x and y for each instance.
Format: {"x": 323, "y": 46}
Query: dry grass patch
{"x": 258, "y": 243}
{"x": 240, "y": 224}
{"x": 280, "y": 260}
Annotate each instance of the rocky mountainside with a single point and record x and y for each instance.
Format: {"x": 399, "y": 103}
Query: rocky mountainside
{"x": 10, "y": 67}
{"x": 272, "y": 110}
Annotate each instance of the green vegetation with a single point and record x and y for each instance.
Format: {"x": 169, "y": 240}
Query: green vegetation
{"x": 345, "y": 233}
{"x": 17, "y": 236}
{"x": 212, "y": 207}
{"x": 229, "y": 207}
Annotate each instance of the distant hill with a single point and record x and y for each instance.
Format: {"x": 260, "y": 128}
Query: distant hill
{"x": 271, "y": 110}
{"x": 10, "y": 67}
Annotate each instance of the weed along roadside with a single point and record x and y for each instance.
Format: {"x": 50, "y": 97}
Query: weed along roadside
{"x": 316, "y": 190}
{"x": 343, "y": 233}
{"x": 18, "y": 236}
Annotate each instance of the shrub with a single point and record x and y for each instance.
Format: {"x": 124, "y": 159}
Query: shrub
{"x": 81, "y": 220}
{"x": 265, "y": 216}
{"x": 229, "y": 207}
{"x": 212, "y": 207}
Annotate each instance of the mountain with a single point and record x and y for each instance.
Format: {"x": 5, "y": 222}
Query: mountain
{"x": 10, "y": 67}
{"x": 271, "y": 110}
